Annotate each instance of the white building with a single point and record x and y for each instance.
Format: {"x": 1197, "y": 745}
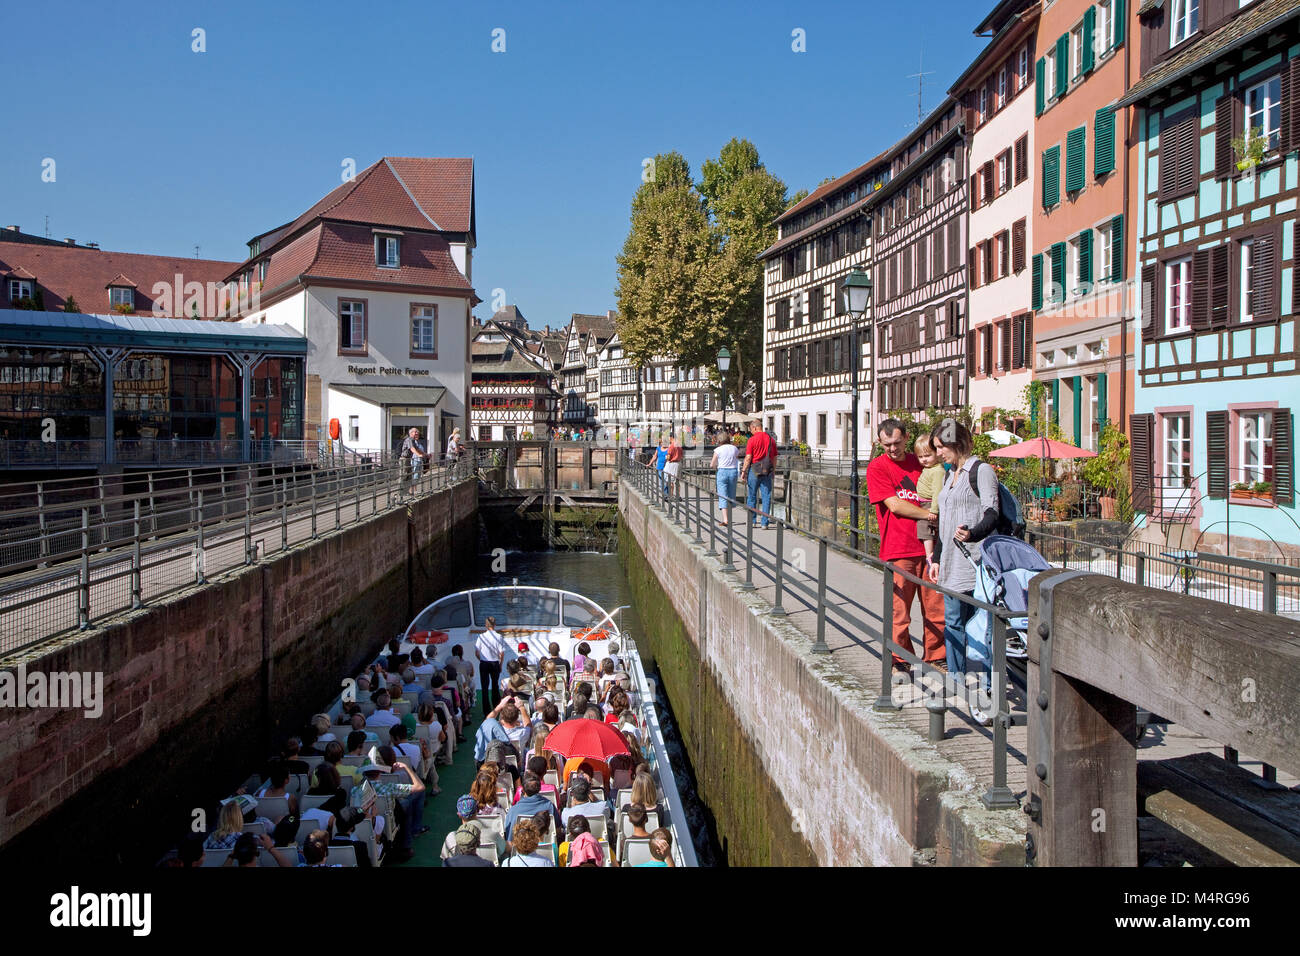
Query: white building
{"x": 377, "y": 276}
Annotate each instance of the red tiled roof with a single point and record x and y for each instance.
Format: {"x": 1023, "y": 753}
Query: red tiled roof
{"x": 601, "y": 325}
{"x": 335, "y": 250}
{"x": 827, "y": 188}
{"x": 444, "y": 188}
{"x": 120, "y": 280}
{"x": 19, "y": 273}
{"x": 86, "y": 274}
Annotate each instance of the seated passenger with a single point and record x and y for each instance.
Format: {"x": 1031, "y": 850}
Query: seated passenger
{"x": 524, "y": 845}
{"x": 383, "y": 715}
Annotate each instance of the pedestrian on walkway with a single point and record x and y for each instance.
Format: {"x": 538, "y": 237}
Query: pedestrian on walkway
{"x": 726, "y": 459}
{"x": 661, "y": 459}
{"x": 413, "y": 456}
{"x": 490, "y": 648}
{"x": 757, "y": 472}
{"x": 672, "y": 467}
{"x": 966, "y": 516}
{"x": 891, "y": 487}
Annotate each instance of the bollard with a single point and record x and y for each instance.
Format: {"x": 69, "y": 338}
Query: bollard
{"x": 936, "y": 707}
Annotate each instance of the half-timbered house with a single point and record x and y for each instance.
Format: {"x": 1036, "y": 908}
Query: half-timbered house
{"x": 511, "y": 390}
{"x": 1213, "y": 457}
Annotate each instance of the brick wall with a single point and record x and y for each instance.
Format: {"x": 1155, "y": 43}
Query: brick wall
{"x": 197, "y": 688}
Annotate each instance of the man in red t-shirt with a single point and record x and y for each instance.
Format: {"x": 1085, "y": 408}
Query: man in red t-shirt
{"x": 757, "y": 471}
{"x": 891, "y": 486}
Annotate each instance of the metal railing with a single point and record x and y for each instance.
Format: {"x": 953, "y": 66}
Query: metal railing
{"x": 163, "y": 452}
{"x": 66, "y": 564}
{"x": 691, "y": 507}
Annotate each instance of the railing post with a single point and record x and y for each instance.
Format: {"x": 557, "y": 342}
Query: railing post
{"x": 199, "y": 552}
{"x": 713, "y": 530}
{"x": 356, "y": 492}
{"x": 83, "y": 590}
{"x": 885, "y": 701}
{"x": 153, "y": 510}
{"x": 313, "y": 502}
{"x": 40, "y": 514}
{"x": 137, "y": 596}
{"x": 249, "y": 556}
{"x": 338, "y": 498}
{"x": 1270, "y": 592}
{"x": 749, "y": 557}
{"x": 999, "y": 796}
{"x": 819, "y": 645}
{"x": 1140, "y": 569}
{"x": 284, "y": 513}
{"x": 726, "y": 548}
{"x": 777, "y": 609}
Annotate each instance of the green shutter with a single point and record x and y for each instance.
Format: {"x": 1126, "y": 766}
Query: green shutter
{"x": 1033, "y": 418}
{"x": 1051, "y": 177}
{"x": 1076, "y": 386}
{"x": 1103, "y": 407}
{"x": 1036, "y": 283}
{"x": 1058, "y": 272}
{"x": 1089, "y": 28}
{"x": 1085, "y": 259}
{"x": 1117, "y": 249}
{"x": 1103, "y": 137}
{"x": 1119, "y": 21}
{"x": 1056, "y": 401}
{"x": 1040, "y": 86}
{"x": 1062, "y": 64}
{"x": 1075, "y": 159}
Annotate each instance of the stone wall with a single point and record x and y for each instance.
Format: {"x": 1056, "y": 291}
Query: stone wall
{"x": 199, "y": 687}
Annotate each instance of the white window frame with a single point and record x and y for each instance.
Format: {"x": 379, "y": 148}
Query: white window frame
{"x": 388, "y": 252}
{"x": 424, "y": 314}
{"x": 1076, "y": 53}
{"x": 1184, "y": 20}
{"x": 1002, "y": 87}
{"x": 354, "y": 428}
{"x": 1246, "y": 278}
{"x": 1270, "y": 105}
{"x": 1071, "y": 267}
{"x": 983, "y": 103}
{"x": 1176, "y": 466}
{"x": 1050, "y": 77}
{"x": 1261, "y": 438}
{"x": 22, "y": 288}
{"x": 1022, "y": 68}
{"x": 1101, "y": 261}
{"x": 121, "y": 295}
{"x": 1103, "y": 37}
{"x": 1003, "y": 164}
{"x": 1182, "y": 320}
{"x": 355, "y": 312}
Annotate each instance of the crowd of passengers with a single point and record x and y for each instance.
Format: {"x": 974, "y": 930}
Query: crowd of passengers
{"x": 373, "y": 773}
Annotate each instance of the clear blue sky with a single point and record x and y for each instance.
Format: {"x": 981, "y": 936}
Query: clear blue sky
{"x": 159, "y": 148}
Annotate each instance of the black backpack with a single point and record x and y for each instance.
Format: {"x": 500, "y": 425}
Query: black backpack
{"x": 1011, "y": 519}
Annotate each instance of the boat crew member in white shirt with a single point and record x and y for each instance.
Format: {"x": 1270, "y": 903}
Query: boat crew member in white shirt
{"x": 490, "y": 648}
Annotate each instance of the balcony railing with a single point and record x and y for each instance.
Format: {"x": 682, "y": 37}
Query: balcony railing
{"x": 89, "y": 452}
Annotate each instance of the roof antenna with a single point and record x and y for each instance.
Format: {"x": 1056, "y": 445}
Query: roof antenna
{"x": 920, "y": 86}
{"x": 196, "y": 252}
{"x": 47, "y": 226}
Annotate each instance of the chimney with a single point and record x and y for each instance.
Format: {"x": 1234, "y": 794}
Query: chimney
{"x": 12, "y": 228}
{"x": 70, "y": 241}
{"x": 92, "y": 245}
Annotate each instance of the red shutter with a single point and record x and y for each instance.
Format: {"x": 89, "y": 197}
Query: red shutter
{"x": 1290, "y": 138}
{"x": 1216, "y": 454}
{"x": 1149, "y": 300}
{"x": 970, "y": 351}
{"x": 974, "y": 193}
{"x": 989, "y": 191}
{"x": 1220, "y": 285}
{"x": 974, "y": 272}
{"x": 1004, "y": 329}
{"x": 1225, "y": 127}
{"x": 1017, "y": 343}
{"x": 1018, "y": 246}
{"x": 1266, "y": 278}
{"x": 1004, "y": 254}
{"x": 1201, "y": 289}
{"x": 1283, "y": 459}
{"x": 1141, "y": 463}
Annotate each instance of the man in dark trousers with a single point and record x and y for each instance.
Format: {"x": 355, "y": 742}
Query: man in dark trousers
{"x": 491, "y": 649}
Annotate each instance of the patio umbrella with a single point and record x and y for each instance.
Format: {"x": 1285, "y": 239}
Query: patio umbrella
{"x": 580, "y": 737}
{"x": 1043, "y": 448}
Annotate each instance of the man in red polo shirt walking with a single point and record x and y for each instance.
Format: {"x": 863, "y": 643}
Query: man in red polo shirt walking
{"x": 756, "y": 471}
{"x": 891, "y": 486}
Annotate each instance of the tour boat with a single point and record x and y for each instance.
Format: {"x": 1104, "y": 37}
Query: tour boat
{"x": 531, "y": 618}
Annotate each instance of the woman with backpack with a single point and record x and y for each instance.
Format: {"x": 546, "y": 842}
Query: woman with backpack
{"x": 968, "y": 512}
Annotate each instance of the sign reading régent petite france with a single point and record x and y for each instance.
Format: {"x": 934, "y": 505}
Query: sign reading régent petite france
{"x": 385, "y": 370}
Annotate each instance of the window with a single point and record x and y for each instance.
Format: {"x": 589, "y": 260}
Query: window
{"x": 352, "y": 326}
{"x": 386, "y": 252}
{"x": 1076, "y": 52}
{"x": 121, "y": 296}
{"x": 803, "y": 429}
{"x": 983, "y": 103}
{"x": 785, "y": 429}
{"x": 354, "y": 428}
{"x": 1104, "y": 38}
{"x": 1263, "y": 110}
{"x": 1184, "y": 20}
{"x": 1072, "y": 270}
{"x": 1255, "y": 446}
{"x": 1177, "y": 474}
{"x": 424, "y": 329}
{"x": 1101, "y": 251}
{"x": 19, "y": 289}
{"x": 821, "y": 429}
{"x": 1002, "y": 88}
{"x": 1004, "y": 171}
{"x": 1247, "y": 280}
{"x": 1051, "y": 74}
{"x": 1178, "y": 294}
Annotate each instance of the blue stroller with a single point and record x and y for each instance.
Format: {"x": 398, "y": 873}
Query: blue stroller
{"x": 1002, "y": 576}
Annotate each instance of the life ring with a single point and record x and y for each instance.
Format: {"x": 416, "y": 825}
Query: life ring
{"x": 428, "y": 637}
{"x": 589, "y": 635}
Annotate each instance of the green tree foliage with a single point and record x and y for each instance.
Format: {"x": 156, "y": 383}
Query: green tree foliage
{"x": 70, "y": 304}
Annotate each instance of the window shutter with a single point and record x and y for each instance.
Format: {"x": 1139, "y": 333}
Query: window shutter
{"x": 1018, "y": 245}
{"x": 1120, "y": 23}
{"x": 1004, "y": 254}
{"x": 1051, "y": 177}
{"x": 1103, "y": 405}
{"x": 1103, "y": 147}
{"x": 1225, "y": 127}
{"x": 1089, "y": 27}
{"x": 1220, "y": 285}
{"x": 1201, "y": 289}
{"x": 987, "y": 172}
{"x": 1062, "y": 64}
{"x": 1189, "y": 154}
{"x": 1085, "y": 259}
{"x": 1076, "y": 389}
{"x": 1017, "y": 342}
{"x": 1141, "y": 464}
{"x": 922, "y": 275}
{"x": 1040, "y": 86}
{"x": 1283, "y": 459}
{"x": 970, "y": 351}
{"x": 1117, "y": 249}
{"x": 939, "y": 266}
{"x": 1075, "y": 159}
{"x": 1004, "y": 331}
{"x": 1029, "y": 342}
{"x": 1056, "y": 401}
{"x": 1149, "y": 300}
{"x": 1058, "y": 272}
{"x": 1265, "y": 275}
{"x": 1216, "y": 454}
{"x": 974, "y": 192}
{"x": 1174, "y": 157}
{"x": 1036, "y": 283}
{"x": 988, "y": 349}
{"x": 974, "y": 272}
{"x": 1022, "y": 159}
{"x": 1287, "y": 139}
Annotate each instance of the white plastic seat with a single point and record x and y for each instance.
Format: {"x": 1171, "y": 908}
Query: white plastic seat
{"x": 312, "y": 763}
{"x": 625, "y": 825}
{"x": 341, "y": 734}
{"x": 634, "y": 852}
{"x": 254, "y": 827}
{"x": 495, "y": 823}
{"x": 264, "y": 857}
{"x": 552, "y": 778}
{"x": 595, "y": 820}
{"x": 311, "y": 802}
{"x": 342, "y": 855}
{"x": 216, "y": 857}
{"x": 353, "y": 761}
{"x": 488, "y": 851}
{"x": 401, "y": 707}
{"x": 624, "y": 798}
{"x": 273, "y": 808}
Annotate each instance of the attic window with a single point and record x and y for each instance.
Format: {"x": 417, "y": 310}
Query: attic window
{"x": 123, "y": 296}
{"x": 386, "y": 252}
{"x": 19, "y": 289}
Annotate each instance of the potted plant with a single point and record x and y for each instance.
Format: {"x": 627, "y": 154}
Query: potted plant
{"x": 1263, "y": 489}
{"x": 1108, "y": 471}
{"x": 1242, "y": 489}
{"x": 1250, "y": 150}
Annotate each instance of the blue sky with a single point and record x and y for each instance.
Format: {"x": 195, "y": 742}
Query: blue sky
{"x": 159, "y": 148}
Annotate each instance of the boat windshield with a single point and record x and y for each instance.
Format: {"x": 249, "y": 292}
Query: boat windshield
{"x": 579, "y": 612}
{"x": 517, "y": 607}
{"x": 445, "y": 615}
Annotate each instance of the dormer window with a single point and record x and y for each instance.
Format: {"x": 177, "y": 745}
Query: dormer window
{"x": 386, "y": 252}
{"x": 19, "y": 289}
{"x": 1184, "y": 21}
{"x": 261, "y": 270}
{"x": 254, "y": 248}
{"x": 121, "y": 297}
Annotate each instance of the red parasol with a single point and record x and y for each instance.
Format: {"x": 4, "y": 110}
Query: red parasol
{"x": 1041, "y": 448}
{"x": 580, "y": 737}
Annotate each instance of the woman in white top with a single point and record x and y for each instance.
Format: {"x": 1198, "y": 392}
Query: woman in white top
{"x": 726, "y": 459}
{"x": 453, "y": 445}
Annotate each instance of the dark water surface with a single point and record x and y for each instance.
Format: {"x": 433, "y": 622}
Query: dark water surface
{"x": 600, "y": 577}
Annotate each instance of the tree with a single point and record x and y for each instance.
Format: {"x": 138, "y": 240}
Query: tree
{"x": 70, "y": 304}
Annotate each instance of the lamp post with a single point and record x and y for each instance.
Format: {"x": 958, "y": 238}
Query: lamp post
{"x": 724, "y": 363}
{"x": 856, "y": 293}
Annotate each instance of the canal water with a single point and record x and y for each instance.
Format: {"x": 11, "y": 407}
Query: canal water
{"x": 599, "y": 577}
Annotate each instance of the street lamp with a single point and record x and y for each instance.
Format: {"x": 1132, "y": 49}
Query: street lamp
{"x": 856, "y": 294}
{"x": 724, "y": 363}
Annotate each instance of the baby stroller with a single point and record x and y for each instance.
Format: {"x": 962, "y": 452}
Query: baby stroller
{"x": 1002, "y": 576}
